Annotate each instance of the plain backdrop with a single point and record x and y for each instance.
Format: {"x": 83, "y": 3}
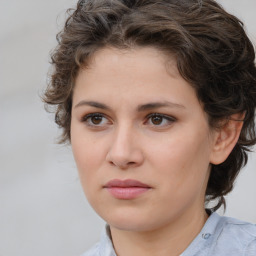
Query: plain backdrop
{"x": 43, "y": 210}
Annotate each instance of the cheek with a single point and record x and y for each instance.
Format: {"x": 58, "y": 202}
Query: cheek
{"x": 183, "y": 160}
{"x": 88, "y": 154}
{"x": 87, "y": 161}
{"x": 182, "y": 168}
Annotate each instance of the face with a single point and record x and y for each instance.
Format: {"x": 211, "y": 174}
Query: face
{"x": 140, "y": 139}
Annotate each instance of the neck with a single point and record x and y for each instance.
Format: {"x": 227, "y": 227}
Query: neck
{"x": 171, "y": 239}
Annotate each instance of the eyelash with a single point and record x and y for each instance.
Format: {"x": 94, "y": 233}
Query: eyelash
{"x": 88, "y": 119}
{"x": 163, "y": 117}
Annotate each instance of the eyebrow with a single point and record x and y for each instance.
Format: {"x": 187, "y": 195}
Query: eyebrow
{"x": 140, "y": 108}
{"x": 154, "y": 105}
{"x": 92, "y": 104}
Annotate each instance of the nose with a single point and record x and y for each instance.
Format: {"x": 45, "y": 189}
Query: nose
{"x": 125, "y": 150}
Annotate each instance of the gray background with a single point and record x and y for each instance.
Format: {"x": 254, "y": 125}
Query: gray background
{"x": 42, "y": 207}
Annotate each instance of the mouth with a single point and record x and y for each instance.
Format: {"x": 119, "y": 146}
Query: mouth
{"x": 126, "y": 189}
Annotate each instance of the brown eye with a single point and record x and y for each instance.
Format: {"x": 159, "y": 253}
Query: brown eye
{"x": 160, "y": 120}
{"x": 96, "y": 119}
{"x": 156, "y": 120}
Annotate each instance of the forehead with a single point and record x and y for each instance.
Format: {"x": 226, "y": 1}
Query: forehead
{"x": 130, "y": 57}
{"x": 139, "y": 74}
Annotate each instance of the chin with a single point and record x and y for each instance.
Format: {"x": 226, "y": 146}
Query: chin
{"x": 134, "y": 226}
{"x": 125, "y": 220}
{"x": 134, "y": 222}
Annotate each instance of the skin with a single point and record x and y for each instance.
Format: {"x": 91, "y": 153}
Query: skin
{"x": 171, "y": 153}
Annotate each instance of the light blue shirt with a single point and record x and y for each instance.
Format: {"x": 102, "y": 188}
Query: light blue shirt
{"x": 220, "y": 236}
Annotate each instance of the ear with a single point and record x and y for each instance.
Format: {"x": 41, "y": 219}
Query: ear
{"x": 226, "y": 138}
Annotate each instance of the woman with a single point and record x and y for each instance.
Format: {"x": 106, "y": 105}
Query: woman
{"x": 157, "y": 99}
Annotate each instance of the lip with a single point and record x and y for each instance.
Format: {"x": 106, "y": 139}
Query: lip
{"x": 126, "y": 189}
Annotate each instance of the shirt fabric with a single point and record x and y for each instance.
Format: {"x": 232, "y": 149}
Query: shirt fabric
{"x": 220, "y": 236}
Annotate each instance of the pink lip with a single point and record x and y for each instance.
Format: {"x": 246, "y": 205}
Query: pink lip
{"x": 126, "y": 189}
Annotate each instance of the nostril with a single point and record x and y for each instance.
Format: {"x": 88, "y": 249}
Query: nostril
{"x": 112, "y": 163}
{"x": 131, "y": 163}
{"x": 122, "y": 165}
{"x": 124, "y": 159}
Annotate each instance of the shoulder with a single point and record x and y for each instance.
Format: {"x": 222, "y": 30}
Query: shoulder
{"x": 235, "y": 237}
{"x": 242, "y": 226}
{"x": 104, "y": 247}
{"x": 93, "y": 251}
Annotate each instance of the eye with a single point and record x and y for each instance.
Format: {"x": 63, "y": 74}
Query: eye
{"x": 95, "y": 119}
{"x": 160, "y": 120}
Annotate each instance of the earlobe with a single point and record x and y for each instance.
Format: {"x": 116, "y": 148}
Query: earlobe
{"x": 226, "y": 138}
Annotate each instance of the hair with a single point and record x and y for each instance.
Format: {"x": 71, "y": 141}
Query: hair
{"x": 211, "y": 49}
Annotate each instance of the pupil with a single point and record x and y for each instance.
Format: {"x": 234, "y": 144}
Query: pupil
{"x": 157, "y": 120}
{"x": 96, "y": 119}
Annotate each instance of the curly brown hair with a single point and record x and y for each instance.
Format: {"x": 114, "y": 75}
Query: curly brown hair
{"x": 211, "y": 48}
